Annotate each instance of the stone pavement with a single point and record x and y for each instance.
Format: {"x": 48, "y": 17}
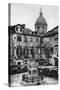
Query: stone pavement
{"x": 16, "y": 80}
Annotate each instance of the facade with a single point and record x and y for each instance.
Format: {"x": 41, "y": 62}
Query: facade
{"x": 25, "y": 43}
{"x": 50, "y": 43}
{"x": 33, "y": 55}
{"x": 50, "y": 39}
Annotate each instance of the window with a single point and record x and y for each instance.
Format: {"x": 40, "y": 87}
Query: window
{"x": 43, "y": 28}
{"x": 34, "y": 71}
{"x": 19, "y": 63}
{"x": 16, "y": 28}
{"x": 32, "y": 32}
{"x": 19, "y": 51}
{"x": 56, "y": 39}
{"x": 37, "y": 50}
{"x": 14, "y": 37}
{"x": 51, "y": 49}
{"x": 15, "y": 57}
{"x": 37, "y": 39}
{"x": 36, "y": 32}
{"x": 25, "y": 60}
{"x": 18, "y": 38}
{"x": 32, "y": 52}
{"x": 37, "y": 27}
{"x": 25, "y": 39}
{"x": 21, "y": 29}
{"x": 29, "y": 72}
{"x": 31, "y": 39}
{"x": 25, "y": 52}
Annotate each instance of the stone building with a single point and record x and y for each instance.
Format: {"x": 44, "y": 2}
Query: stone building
{"x": 50, "y": 41}
{"x": 25, "y": 43}
{"x": 41, "y": 24}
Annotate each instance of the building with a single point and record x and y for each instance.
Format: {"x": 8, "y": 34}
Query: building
{"x": 50, "y": 42}
{"x": 41, "y": 24}
{"x": 25, "y": 43}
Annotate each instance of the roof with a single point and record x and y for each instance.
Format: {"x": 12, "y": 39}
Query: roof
{"x": 15, "y": 25}
{"x": 27, "y": 31}
{"x": 51, "y": 32}
{"x": 41, "y": 20}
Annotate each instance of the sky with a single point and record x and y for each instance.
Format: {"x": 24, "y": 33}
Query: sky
{"x": 28, "y": 14}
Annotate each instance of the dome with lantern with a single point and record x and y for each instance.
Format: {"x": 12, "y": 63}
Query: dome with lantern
{"x": 41, "y": 20}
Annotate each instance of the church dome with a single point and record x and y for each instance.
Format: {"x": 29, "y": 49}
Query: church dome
{"x": 41, "y": 20}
